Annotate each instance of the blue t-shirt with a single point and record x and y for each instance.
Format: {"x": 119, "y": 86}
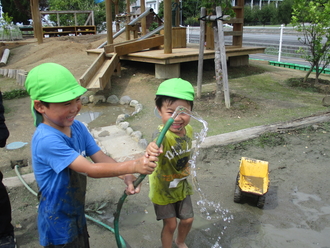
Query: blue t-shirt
{"x": 62, "y": 191}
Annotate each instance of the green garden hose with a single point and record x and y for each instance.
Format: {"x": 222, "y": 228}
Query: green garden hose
{"x": 136, "y": 183}
{"x": 87, "y": 216}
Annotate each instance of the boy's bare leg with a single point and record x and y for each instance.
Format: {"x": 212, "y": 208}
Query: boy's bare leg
{"x": 183, "y": 230}
{"x": 169, "y": 226}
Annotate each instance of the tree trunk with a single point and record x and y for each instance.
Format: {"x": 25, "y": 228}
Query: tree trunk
{"x": 307, "y": 74}
{"x": 218, "y": 70}
{"x": 254, "y": 132}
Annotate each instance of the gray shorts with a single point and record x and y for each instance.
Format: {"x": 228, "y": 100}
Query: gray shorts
{"x": 181, "y": 209}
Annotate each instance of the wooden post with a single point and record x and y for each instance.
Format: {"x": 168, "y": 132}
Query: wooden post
{"x": 223, "y": 58}
{"x": 5, "y": 56}
{"x": 217, "y": 68}
{"x": 37, "y": 27}
{"x": 116, "y": 13}
{"x": 239, "y": 11}
{"x": 143, "y": 20}
{"x": 128, "y": 17}
{"x": 167, "y": 27}
{"x": 32, "y": 13}
{"x": 177, "y": 14}
{"x": 75, "y": 19}
{"x": 201, "y": 54}
{"x": 93, "y": 23}
{"x": 108, "y": 15}
{"x": 58, "y": 19}
{"x": 128, "y": 32}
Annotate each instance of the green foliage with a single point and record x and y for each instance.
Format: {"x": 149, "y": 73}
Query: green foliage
{"x": 96, "y": 208}
{"x": 5, "y": 23}
{"x": 284, "y": 12}
{"x": 20, "y": 10}
{"x": 311, "y": 18}
{"x": 191, "y": 9}
{"x": 153, "y": 26}
{"x": 270, "y": 140}
{"x": 14, "y": 94}
{"x": 68, "y": 19}
{"x": 191, "y": 20}
{"x": 264, "y": 140}
{"x": 266, "y": 15}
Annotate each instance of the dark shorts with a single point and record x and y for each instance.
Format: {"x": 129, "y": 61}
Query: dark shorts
{"x": 80, "y": 242}
{"x": 181, "y": 209}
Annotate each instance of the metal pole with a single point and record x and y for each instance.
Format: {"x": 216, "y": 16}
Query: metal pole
{"x": 280, "y": 47}
{"x": 147, "y": 12}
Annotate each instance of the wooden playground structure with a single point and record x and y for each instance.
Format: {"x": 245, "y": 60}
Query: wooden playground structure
{"x": 166, "y": 50}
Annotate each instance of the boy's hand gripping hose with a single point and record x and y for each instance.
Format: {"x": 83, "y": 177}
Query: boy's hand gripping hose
{"x": 159, "y": 141}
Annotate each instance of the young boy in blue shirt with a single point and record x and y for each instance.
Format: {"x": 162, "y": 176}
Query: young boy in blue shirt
{"x": 169, "y": 189}
{"x": 60, "y": 146}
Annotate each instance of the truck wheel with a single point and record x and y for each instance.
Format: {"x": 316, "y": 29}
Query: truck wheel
{"x": 238, "y": 192}
{"x": 261, "y": 201}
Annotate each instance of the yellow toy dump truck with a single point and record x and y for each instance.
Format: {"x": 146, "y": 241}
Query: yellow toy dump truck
{"x": 252, "y": 180}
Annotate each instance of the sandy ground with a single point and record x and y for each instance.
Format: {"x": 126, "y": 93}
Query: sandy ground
{"x": 297, "y": 209}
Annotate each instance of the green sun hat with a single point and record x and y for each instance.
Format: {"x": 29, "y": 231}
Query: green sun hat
{"x": 178, "y": 88}
{"x": 52, "y": 83}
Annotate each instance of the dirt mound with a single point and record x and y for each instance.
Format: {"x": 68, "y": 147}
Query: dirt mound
{"x": 68, "y": 51}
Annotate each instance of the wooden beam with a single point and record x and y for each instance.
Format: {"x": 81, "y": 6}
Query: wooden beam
{"x": 128, "y": 10}
{"x": 254, "y": 132}
{"x": 223, "y": 77}
{"x": 143, "y": 20}
{"x": 66, "y": 12}
{"x": 167, "y": 26}
{"x": 110, "y": 48}
{"x": 109, "y": 70}
{"x": 37, "y": 27}
{"x": 116, "y": 2}
{"x": 92, "y": 70}
{"x": 233, "y": 33}
{"x": 140, "y": 45}
{"x": 201, "y": 54}
{"x": 108, "y": 10}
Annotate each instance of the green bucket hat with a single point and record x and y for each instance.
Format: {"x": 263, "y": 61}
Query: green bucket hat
{"x": 178, "y": 88}
{"x": 52, "y": 83}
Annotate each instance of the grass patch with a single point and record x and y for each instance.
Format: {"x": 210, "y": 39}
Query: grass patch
{"x": 323, "y": 85}
{"x": 14, "y": 94}
{"x": 264, "y": 140}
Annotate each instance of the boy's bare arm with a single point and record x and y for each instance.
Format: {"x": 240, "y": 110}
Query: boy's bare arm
{"x": 109, "y": 168}
{"x": 153, "y": 150}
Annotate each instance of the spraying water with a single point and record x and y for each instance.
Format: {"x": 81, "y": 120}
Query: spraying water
{"x": 206, "y": 207}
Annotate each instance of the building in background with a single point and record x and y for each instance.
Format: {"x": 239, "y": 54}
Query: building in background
{"x": 154, "y": 4}
{"x": 260, "y": 3}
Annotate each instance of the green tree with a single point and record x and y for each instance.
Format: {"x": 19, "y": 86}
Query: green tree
{"x": 68, "y": 19}
{"x": 248, "y": 15}
{"x": 191, "y": 9}
{"x": 267, "y": 14}
{"x": 5, "y": 23}
{"x": 284, "y": 12}
{"x": 20, "y": 10}
{"x": 311, "y": 18}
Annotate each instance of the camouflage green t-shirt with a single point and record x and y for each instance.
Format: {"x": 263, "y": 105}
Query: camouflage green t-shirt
{"x": 168, "y": 183}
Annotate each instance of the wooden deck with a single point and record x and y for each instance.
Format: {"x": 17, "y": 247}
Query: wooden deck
{"x": 166, "y": 65}
{"x": 180, "y": 55}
